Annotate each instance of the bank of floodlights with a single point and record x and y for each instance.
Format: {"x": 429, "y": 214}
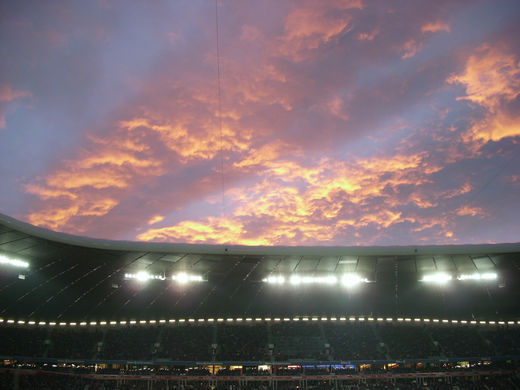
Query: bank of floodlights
{"x": 181, "y": 277}
{"x": 9, "y": 261}
{"x": 346, "y": 280}
{"x": 185, "y": 278}
{"x": 444, "y": 278}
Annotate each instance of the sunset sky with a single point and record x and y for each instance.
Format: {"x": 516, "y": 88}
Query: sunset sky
{"x": 342, "y": 122}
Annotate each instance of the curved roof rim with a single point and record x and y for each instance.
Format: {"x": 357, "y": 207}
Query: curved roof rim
{"x": 410, "y": 250}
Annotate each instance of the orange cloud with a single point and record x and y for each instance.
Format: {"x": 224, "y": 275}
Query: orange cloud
{"x": 315, "y": 24}
{"x": 155, "y": 219}
{"x": 472, "y": 211}
{"x": 306, "y": 204}
{"x": 435, "y": 27}
{"x": 411, "y": 48}
{"x": 189, "y": 145}
{"x": 93, "y": 184}
{"x": 490, "y": 76}
{"x": 492, "y": 80}
{"x": 368, "y": 36}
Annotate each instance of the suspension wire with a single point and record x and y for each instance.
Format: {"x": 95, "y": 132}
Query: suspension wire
{"x": 219, "y": 95}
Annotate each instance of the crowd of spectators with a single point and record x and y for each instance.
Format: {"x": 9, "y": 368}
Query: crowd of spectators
{"x": 337, "y": 341}
{"x": 53, "y": 382}
{"x": 354, "y": 342}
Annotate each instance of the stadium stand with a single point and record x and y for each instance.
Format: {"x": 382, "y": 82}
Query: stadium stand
{"x": 92, "y": 314}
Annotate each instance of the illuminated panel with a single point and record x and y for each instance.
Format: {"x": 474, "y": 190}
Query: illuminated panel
{"x": 4, "y": 260}
{"x": 347, "y": 280}
{"x": 274, "y": 280}
{"x": 477, "y": 276}
{"x": 352, "y": 280}
{"x": 143, "y": 276}
{"x": 184, "y": 278}
{"x": 439, "y": 277}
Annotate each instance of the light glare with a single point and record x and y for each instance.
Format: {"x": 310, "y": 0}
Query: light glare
{"x": 439, "y": 277}
{"x": 14, "y": 262}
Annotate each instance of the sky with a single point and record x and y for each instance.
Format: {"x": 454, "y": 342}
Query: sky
{"x": 340, "y": 122}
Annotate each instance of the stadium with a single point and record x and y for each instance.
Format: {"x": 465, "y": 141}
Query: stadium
{"x": 78, "y": 311}
{"x": 254, "y": 195}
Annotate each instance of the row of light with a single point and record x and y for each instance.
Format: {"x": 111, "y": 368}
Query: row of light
{"x": 263, "y": 319}
{"x": 4, "y": 260}
{"x": 442, "y": 277}
{"x": 347, "y": 280}
{"x": 181, "y": 277}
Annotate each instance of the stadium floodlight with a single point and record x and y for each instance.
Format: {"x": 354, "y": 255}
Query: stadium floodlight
{"x": 183, "y": 278}
{"x": 438, "y": 277}
{"x": 352, "y": 280}
{"x": 477, "y": 276}
{"x": 4, "y": 260}
{"x": 143, "y": 276}
{"x": 274, "y": 279}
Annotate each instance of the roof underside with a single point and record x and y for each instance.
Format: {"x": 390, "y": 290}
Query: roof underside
{"x": 73, "y": 278}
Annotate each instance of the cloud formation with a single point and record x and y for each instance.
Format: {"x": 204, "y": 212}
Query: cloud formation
{"x": 337, "y": 123}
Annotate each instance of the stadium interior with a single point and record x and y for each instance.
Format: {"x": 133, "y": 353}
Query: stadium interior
{"x": 86, "y": 313}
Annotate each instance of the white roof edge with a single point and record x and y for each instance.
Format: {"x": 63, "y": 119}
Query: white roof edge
{"x": 141, "y": 246}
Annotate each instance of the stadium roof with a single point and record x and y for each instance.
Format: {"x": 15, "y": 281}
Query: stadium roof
{"x": 77, "y": 278}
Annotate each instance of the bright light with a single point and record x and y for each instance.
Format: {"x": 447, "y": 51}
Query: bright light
{"x": 439, "y": 277}
{"x": 350, "y": 280}
{"x": 143, "y": 276}
{"x": 14, "y": 262}
{"x": 184, "y": 278}
{"x": 274, "y": 280}
{"x": 327, "y": 279}
{"x": 477, "y": 276}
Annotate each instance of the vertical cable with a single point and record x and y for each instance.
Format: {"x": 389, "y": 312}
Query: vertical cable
{"x": 223, "y": 212}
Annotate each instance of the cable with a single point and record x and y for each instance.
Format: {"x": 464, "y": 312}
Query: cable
{"x": 217, "y": 26}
